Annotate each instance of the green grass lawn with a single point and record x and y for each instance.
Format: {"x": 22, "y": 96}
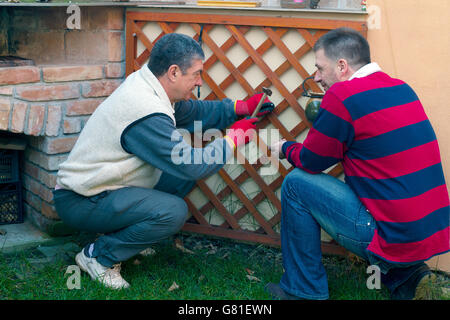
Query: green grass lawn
{"x": 216, "y": 269}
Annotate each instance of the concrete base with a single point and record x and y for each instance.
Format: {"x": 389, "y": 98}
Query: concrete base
{"x": 17, "y": 237}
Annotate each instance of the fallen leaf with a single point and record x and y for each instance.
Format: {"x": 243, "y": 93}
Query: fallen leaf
{"x": 253, "y": 278}
{"x": 225, "y": 255}
{"x": 148, "y": 252}
{"x": 250, "y": 272}
{"x": 212, "y": 250}
{"x": 179, "y": 245}
{"x": 198, "y": 246}
{"x": 136, "y": 262}
{"x": 174, "y": 286}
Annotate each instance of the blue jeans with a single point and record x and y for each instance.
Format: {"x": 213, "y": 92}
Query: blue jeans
{"x": 311, "y": 202}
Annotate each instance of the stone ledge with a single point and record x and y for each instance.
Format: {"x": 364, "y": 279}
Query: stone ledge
{"x": 21, "y": 236}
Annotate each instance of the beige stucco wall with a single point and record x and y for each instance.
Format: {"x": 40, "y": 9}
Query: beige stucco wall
{"x": 410, "y": 40}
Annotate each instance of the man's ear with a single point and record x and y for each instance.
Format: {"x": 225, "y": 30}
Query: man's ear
{"x": 343, "y": 69}
{"x": 342, "y": 65}
{"x": 173, "y": 72}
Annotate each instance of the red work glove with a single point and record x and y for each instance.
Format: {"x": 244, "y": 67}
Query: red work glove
{"x": 247, "y": 107}
{"x": 242, "y": 131}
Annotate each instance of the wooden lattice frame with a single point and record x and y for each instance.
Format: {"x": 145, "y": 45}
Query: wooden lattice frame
{"x": 238, "y": 26}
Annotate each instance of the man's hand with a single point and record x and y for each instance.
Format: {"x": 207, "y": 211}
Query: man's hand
{"x": 247, "y": 107}
{"x": 242, "y": 131}
{"x": 276, "y": 149}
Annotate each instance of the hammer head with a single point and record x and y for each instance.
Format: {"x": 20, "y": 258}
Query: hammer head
{"x": 267, "y": 91}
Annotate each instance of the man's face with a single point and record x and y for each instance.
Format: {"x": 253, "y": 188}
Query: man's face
{"x": 327, "y": 70}
{"x": 192, "y": 78}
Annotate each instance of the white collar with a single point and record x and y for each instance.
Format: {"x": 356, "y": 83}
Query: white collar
{"x": 366, "y": 70}
{"x": 156, "y": 85}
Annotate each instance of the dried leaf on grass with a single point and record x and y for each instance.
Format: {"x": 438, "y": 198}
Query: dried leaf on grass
{"x": 225, "y": 255}
{"x": 198, "y": 246}
{"x": 179, "y": 245}
{"x": 253, "y": 278}
{"x": 250, "y": 275}
{"x": 213, "y": 249}
{"x": 173, "y": 287}
{"x": 148, "y": 252}
{"x": 137, "y": 262}
{"x": 250, "y": 272}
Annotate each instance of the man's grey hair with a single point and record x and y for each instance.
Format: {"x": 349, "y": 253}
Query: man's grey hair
{"x": 345, "y": 43}
{"x": 174, "y": 48}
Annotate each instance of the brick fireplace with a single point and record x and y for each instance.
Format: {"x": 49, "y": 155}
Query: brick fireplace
{"x": 47, "y": 102}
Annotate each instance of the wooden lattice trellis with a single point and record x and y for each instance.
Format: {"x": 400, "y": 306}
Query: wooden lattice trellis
{"x": 274, "y": 28}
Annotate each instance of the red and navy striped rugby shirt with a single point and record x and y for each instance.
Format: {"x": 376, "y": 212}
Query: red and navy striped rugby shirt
{"x": 377, "y": 127}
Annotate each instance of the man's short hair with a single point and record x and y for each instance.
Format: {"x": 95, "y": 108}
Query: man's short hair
{"x": 345, "y": 43}
{"x": 174, "y": 48}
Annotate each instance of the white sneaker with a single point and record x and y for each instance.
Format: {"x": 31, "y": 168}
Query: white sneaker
{"x": 110, "y": 277}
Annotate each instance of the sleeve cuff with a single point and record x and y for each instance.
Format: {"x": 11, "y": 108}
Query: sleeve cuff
{"x": 286, "y": 145}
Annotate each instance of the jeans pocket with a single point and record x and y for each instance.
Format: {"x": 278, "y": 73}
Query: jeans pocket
{"x": 355, "y": 246}
{"x": 364, "y": 225}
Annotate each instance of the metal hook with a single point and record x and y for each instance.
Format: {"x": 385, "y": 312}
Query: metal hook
{"x": 305, "y": 92}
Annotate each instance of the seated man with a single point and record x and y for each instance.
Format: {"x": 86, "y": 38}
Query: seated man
{"x": 393, "y": 209}
{"x": 120, "y": 179}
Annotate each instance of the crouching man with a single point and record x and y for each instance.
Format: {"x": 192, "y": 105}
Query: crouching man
{"x": 120, "y": 179}
{"x": 393, "y": 209}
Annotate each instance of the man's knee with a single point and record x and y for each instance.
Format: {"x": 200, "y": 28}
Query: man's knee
{"x": 182, "y": 213}
{"x": 169, "y": 220}
{"x": 293, "y": 181}
{"x": 301, "y": 184}
{"x": 177, "y": 214}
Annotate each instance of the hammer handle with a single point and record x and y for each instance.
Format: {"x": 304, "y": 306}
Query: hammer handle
{"x": 258, "y": 107}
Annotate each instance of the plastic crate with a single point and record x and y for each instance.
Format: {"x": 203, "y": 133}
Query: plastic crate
{"x": 9, "y": 166}
{"x": 11, "y": 207}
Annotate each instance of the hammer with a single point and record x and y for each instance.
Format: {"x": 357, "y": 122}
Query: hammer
{"x": 267, "y": 92}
